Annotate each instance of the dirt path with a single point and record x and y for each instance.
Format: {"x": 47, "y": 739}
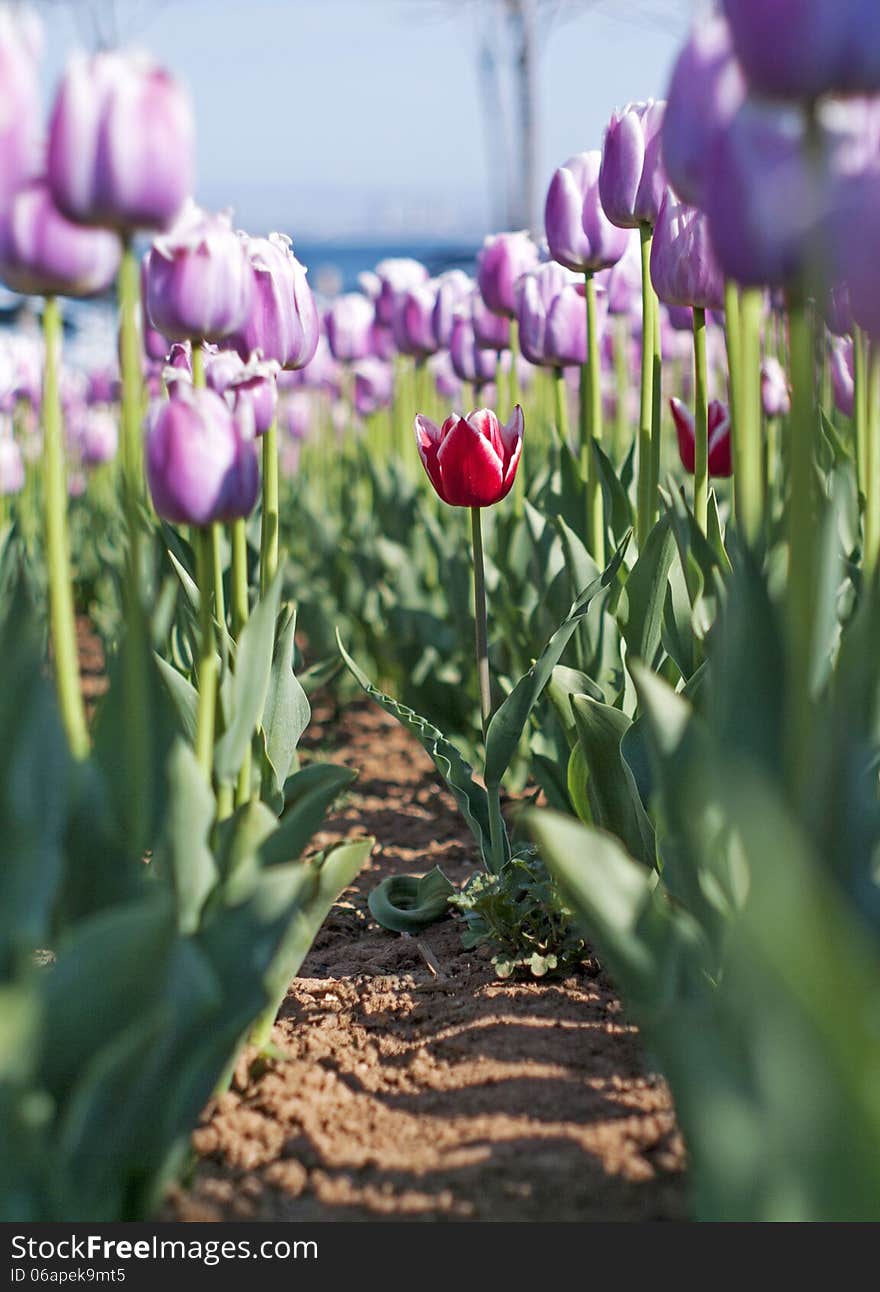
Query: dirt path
{"x": 415, "y": 1085}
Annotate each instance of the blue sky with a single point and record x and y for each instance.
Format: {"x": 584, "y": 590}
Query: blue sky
{"x": 350, "y": 117}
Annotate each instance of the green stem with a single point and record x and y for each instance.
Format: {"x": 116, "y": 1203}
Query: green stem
{"x": 701, "y": 422}
{"x": 207, "y": 673}
{"x": 217, "y": 573}
{"x": 240, "y": 612}
{"x": 560, "y": 394}
{"x": 734, "y": 368}
{"x": 496, "y": 823}
{"x": 751, "y": 495}
{"x": 621, "y": 374}
{"x": 656, "y": 408}
{"x": 269, "y": 529}
{"x": 198, "y": 365}
{"x": 591, "y": 427}
{"x": 872, "y": 462}
{"x": 801, "y": 585}
{"x": 860, "y": 406}
{"x": 62, "y": 622}
{"x": 646, "y": 404}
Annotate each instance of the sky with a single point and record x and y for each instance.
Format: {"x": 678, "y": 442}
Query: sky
{"x": 362, "y": 119}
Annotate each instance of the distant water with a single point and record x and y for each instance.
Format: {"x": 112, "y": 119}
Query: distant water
{"x": 336, "y": 265}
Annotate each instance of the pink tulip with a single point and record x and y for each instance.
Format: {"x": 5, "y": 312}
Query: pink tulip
{"x": 471, "y": 461}
{"x": 720, "y": 463}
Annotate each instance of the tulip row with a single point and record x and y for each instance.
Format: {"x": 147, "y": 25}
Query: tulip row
{"x": 641, "y": 644}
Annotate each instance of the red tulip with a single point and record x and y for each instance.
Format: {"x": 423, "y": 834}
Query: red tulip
{"x": 471, "y": 461}
{"x": 719, "y": 437}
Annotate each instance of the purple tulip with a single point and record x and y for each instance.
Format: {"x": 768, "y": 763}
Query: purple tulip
{"x": 802, "y": 49}
{"x": 623, "y": 282}
{"x": 385, "y": 284}
{"x": 349, "y": 326}
{"x": 447, "y": 382}
{"x": 552, "y": 317}
{"x": 412, "y": 322}
{"x": 121, "y": 143}
{"x": 501, "y": 261}
{"x": 684, "y": 270}
{"x": 381, "y": 342}
{"x": 98, "y": 438}
{"x": 454, "y": 289}
{"x": 283, "y": 321}
{"x": 837, "y": 310}
{"x": 706, "y": 89}
{"x": 44, "y": 254}
{"x": 103, "y": 386}
{"x": 858, "y": 244}
{"x": 200, "y": 284}
{"x": 155, "y": 345}
{"x": 775, "y": 395}
{"x": 373, "y": 385}
{"x": 843, "y": 384}
{"x": 680, "y": 317}
{"x": 255, "y": 388}
{"x": 296, "y": 415}
{"x": 491, "y": 331}
{"x": 11, "y": 465}
{"x": 20, "y": 107}
{"x": 579, "y": 233}
{"x": 632, "y": 179}
{"x": 470, "y": 361}
{"x": 201, "y": 460}
{"x": 767, "y": 205}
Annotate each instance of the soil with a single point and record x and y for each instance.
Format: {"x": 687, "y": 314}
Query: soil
{"x": 410, "y": 1083}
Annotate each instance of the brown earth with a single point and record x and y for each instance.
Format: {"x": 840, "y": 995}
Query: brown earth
{"x": 414, "y": 1084}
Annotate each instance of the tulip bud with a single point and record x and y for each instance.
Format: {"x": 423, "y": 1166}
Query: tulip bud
{"x": 412, "y": 321}
{"x": 552, "y": 317}
{"x": 471, "y": 362}
{"x": 802, "y": 49}
{"x": 200, "y": 285}
{"x": 454, "y": 290}
{"x": 684, "y": 270}
{"x": 373, "y": 385}
{"x": 579, "y": 233}
{"x": 632, "y": 179}
{"x": 254, "y": 389}
{"x": 349, "y": 324}
{"x": 502, "y": 260}
{"x": 391, "y": 277}
{"x": 471, "y": 461}
{"x": 98, "y": 437}
{"x": 623, "y": 282}
{"x": 44, "y": 254}
{"x": 706, "y": 89}
{"x": 491, "y": 331}
{"x": 843, "y": 384}
{"x": 283, "y": 320}
{"x": 121, "y": 143}
{"x": 775, "y": 396}
{"x": 720, "y": 460}
{"x": 201, "y": 460}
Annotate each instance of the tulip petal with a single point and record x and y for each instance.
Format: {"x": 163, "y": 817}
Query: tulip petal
{"x": 684, "y": 429}
{"x": 429, "y": 437}
{"x": 470, "y": 467}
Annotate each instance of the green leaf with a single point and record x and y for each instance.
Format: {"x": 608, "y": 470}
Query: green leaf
{"x": 407, "y": 904}
{"x": 185, "y": 853}
{"x": 578, "y": 781}
{"x": 309, "y": 794}
{"x": 645, "y": 593}
{"x": 286, "y": 711}
{"x": 250, "y": 682}
{"x": 458, "y": 775}
{"x": 614, "y": 797}
{"x": 184, "y": 695}
{"x": 509, "y": 720}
